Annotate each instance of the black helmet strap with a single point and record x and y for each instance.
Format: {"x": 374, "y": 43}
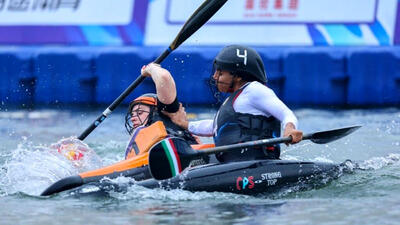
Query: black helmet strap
{"x": 128, "y": 116}
{"x": 231, "y": 84}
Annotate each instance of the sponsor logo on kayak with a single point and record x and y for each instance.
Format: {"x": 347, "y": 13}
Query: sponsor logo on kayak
{"x": 271, "y": 178}
{"x": 243, "y": 183}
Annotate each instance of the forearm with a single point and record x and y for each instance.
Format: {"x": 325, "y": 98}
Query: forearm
{"x": 265, "y": 100}
{"x": 202, "y": 128}
{"x": 290, "y": 119}
{"x": 165, "y": 84}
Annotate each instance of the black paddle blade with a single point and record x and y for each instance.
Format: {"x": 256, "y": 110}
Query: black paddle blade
{"x": 169, "y": 157}
{"x": 324, "y": 137}
{"x": 197, "y": 19}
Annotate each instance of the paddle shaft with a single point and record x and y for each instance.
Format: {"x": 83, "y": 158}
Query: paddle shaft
{"x": 195, "y": 21}
{"x": 321, "y": 137}
{"x": 120, "y": 98}
{"x": 243, "y": 145}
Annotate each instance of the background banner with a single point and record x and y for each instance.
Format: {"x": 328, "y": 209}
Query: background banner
{"x": 156, "y": 22}
{"x": 72, "y": 22}
{"x": 71, "y": 12}
{"x": 280, "y": 22}
{"x": 281, "y": 11}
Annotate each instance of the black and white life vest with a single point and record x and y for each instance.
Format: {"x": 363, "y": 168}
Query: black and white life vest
{"x": 231, "y": 127}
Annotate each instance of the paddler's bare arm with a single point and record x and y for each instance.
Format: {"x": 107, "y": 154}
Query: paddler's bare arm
{"x": 165, "y": 84}
{"x": 290, "y": 130}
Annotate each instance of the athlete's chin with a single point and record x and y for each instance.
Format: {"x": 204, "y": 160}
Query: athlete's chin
{"x": 223, "y": 88}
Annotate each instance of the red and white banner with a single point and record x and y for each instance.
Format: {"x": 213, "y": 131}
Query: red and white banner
{"x": 281, "y": 11}
{"x": 278, "y": 22}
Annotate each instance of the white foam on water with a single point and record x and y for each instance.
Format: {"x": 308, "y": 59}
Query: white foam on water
{"x": 136, "y": 192}
{"x": 139, "y": 193}
{"x": 322, "y": 159}
{"x": 376, "y": 163}
{"x": 23, "y": 114}
{"x": 31, "y": 169}
{"x": 290, "y": 157}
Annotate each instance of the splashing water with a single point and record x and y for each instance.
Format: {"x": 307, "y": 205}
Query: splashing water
{"x": 376, "y": 163}
{"x": 124, "y": 188}
{"x": 30, "y": 169}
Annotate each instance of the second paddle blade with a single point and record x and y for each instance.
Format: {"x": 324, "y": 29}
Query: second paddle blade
{"x": 324, "y": 137}
{"x": 169, "y": 157}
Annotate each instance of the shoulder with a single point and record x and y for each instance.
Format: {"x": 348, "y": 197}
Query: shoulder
{"x": 255, "y": 85}
{"x": 258, "y": 90}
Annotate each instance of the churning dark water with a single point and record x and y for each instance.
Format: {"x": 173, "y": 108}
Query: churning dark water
{"x": 367, "y": 192}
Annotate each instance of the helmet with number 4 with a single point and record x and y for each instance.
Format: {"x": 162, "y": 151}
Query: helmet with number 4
{"x": 242, "y": 61}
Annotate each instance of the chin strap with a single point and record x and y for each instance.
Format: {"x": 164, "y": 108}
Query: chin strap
{"x": 149, "y": 119}
{"x": 230, "y": 89}
{"x": 150, "y": 116}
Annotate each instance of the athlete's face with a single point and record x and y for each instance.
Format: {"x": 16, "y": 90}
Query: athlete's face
{"x": 139, "y": 115}
{"x": 223, "y": 80}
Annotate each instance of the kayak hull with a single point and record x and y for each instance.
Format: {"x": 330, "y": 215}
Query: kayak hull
{"x": 247, "y": 177}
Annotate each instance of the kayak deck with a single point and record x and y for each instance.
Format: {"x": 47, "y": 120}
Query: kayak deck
{"x": 246, "y": 177}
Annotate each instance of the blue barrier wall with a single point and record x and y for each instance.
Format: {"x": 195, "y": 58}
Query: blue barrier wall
{"x": 192, "y": 69}
{"x": 315, "y": 76}
{"x": 17, "y": 81}
{"x": 64, "y": 77}
{"x": 273, "y": 62}
{"x": 299, "y": 76}
{"x": 374, "y": 77}
{"x": 117, "y": 69}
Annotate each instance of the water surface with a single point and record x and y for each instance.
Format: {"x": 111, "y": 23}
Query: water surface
{"x": 368, "y": 194}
